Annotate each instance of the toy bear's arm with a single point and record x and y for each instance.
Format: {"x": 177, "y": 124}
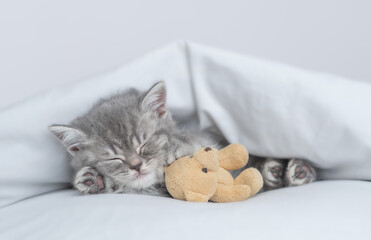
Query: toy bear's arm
{"x": 195, "y": 197}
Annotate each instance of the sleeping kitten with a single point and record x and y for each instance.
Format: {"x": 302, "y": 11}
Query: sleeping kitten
{"x": 123, "y": 142}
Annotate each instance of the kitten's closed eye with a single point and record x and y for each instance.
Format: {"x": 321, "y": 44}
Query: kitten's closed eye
{"x": 116, "y": 158}
{"x": 112, "y": 166}
{"x": 141, "y": 147}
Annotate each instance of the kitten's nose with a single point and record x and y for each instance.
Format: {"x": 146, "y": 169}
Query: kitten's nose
{"x": 136, "y": 167}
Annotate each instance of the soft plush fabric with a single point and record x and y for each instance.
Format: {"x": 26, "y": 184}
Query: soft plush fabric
{"x": 273, "y": 109}
{"x": 322, "y": 210}
{"x": 205, "y": 176}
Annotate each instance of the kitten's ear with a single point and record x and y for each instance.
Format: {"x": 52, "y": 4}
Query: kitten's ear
{"x": 155, "y": 99}
{"x": 70, "y": 137}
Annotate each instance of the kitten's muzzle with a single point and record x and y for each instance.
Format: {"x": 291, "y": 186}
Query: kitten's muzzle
{"x": 136, "y": 167}
{"x": 135, "y": 163}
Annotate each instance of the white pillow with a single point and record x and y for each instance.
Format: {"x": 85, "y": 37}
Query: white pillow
{"x": 274, "y": 110}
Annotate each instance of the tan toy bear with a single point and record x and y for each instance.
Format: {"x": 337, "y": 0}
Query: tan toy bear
{"x": 204, "y": 176}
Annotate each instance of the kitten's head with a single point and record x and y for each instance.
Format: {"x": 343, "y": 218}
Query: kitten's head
{"x": 126, "y": 137}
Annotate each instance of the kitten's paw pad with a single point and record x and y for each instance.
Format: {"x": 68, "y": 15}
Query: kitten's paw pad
{"x": 88, "y": 180}
{"x": 299, "y": 172}
{"x": 272, "y": 172}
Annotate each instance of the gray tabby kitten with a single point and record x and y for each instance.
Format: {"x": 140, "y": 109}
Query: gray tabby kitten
{"x": 123, "y": 142}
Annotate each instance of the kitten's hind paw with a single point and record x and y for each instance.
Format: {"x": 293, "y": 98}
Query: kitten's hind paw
{"x": 272, "y": 172}
{"x": 299, "y": 172}
{"x": 89, "y": 181}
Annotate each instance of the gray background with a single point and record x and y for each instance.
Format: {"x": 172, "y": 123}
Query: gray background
{"x": 44, "y": 44}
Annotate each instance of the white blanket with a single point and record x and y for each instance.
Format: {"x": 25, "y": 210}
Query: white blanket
{"x": 273, "y": 109}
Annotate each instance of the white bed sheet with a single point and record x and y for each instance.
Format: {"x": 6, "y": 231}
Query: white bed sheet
{"x": 322, "y": 210}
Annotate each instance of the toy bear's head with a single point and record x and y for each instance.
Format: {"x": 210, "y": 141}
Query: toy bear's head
{"x": 208, "y": 158}
{"x": 194, "y": 174}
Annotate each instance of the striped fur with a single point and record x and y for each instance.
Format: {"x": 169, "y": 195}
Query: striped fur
{"x": 121, "y": 132}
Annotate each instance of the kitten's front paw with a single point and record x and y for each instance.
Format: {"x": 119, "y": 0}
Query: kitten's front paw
{"x": 272, "y": 172}
{"x": 299, "y": 172}
{"x": 89, "y": 181}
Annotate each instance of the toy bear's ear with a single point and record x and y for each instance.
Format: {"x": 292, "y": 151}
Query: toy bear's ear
{"x": 155, "y": 100}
